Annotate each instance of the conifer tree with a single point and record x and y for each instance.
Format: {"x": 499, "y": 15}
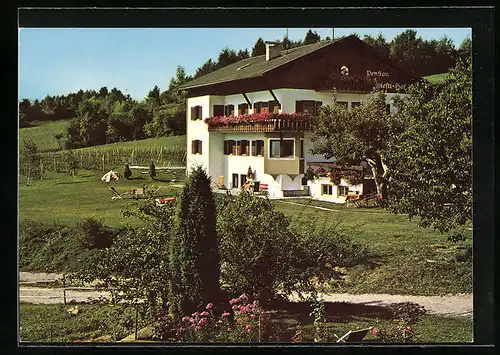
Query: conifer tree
{"x": 194, "y": 253}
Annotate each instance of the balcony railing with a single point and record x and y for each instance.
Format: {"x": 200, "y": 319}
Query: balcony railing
{"x": 266, "y": 126}
{"x": 267, "y": 122}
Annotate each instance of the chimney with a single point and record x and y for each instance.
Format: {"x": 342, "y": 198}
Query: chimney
{"x": 272, "y": 50}
{"x": 333, "y": 34}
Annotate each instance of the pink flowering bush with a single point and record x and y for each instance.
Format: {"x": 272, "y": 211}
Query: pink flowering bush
{"x": 218, "y": 121}
{"x": 205, "y": 326}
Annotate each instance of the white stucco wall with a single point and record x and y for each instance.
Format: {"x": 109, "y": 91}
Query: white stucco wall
{"x": 197, "y": 130}
{"x": 316, "y": 190}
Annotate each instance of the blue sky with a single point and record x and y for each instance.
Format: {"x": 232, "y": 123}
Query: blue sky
{"x": 54, "y": 61}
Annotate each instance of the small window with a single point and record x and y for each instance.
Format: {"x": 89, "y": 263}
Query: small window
{"x": 281, "y": 149}
{"x": 231, "y": 147}
{"x": 308, "y": 106}
{"x": 196, "y": 113}
{"x": 343, "y": 190}
{"x": 343, "y": 103}
{"x": 235, "y": 181}
{"x": 227, "y": 148}
{"x": 355, "y": 104}
{"x": 196, "y": 147}
{"x": 218, "y": 110}
{"x": 327, "y": 189}
{"x": 258, "y": 148}
{"x": 274, "y": 106}
{"x": 243, "y": 109}
{"x": 245, "y": 145}
{"x": 229, "y": 110}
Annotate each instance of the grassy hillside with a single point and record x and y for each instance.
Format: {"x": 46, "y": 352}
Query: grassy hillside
{"x": 44, "y": 135}
{"x": 160, "y": 142}
{"x": 435, "y": 78}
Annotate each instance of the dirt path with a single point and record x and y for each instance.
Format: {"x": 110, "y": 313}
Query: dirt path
{"x": 456, "y": 305}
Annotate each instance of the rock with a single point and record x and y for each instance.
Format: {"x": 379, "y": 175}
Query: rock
{"x": 438, "y": 246}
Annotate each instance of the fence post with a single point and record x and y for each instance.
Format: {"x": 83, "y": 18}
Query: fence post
{"x": 136, "y": 314}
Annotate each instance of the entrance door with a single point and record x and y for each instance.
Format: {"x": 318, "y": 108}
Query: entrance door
{"x": 235, "y": 181}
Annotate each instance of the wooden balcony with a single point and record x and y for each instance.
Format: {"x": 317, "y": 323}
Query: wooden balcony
{"x": 274, "y": 125}
{"x": 293, "y": 166}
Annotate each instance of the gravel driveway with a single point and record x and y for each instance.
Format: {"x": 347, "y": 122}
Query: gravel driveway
{"x": 456, "y": 305}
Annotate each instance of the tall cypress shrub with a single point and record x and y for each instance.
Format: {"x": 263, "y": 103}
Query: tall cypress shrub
{"x": 194, "y": 253}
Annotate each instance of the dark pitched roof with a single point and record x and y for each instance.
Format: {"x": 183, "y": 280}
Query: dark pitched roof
{"x": 258, "y": 66}
{"x": 254, "y": 66}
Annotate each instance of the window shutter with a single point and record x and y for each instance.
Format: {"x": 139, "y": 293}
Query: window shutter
{"x": 225, "y": 147}
{"x": 233, "y": 147}
{"x": 193, "y": 113}
{"x": 193, "y": 147}
{"x": 200, "y": 113}
{"x": 238, "y": 150}
{"x": 218, "y": 110}
{"x": 254, "y": 148}
{"x": 298, "y": 106}
{"x": 200, "y": 145}
{"x": 260, "y": 147}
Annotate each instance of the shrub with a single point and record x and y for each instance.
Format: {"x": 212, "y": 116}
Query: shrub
{"x": 127, "y": 173}
{"x": 258, "y": 251}
{"x": 194, "y": 253}
{"x": 93, "y": 234}
{"x": 406, "y": 315}
{"x": 152, "y": 170}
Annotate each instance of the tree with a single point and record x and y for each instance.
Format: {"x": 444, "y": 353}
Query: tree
{"x": 430, "y": 161}
{"x": 465, "y": 50}
{"x": 379, "y": 44}
{"x": 152, "y": 170}
{"x": 226, "y": 57}
{"x": 194, "y": 253}
{"x": 356, "y": 135}
{"x": 207, "y": 67}
{"x": 286, "y": 43}
{"x": 243, "y": 54}
{"x": 312, "y": 37}
{"x": 405, "y": 49}
{"x": 31, "y": 159}
{"x": 127, "y": 172}
{"x": 153, "y": 97}
{"x": 259, "y": 48}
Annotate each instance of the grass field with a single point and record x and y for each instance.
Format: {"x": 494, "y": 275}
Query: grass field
{"x": 435, "y": 78}
{"x": 44, "y": 135}
{"x": 44, "y": 323}
{"x": 407, "y": 259}
{"x": 68, "y": 200}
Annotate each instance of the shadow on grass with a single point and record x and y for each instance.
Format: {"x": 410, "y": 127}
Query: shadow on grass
{"x": 70, "y": 182}
{"x": 338, "y": 312}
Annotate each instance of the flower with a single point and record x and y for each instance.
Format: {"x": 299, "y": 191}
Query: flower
{"x": 249, "y": 329}
{"x": 185, "y": 319}
{"x": 197, "y": 327}
{"x": 252, "y": 315}
{"x": 210, "y": 305}
{"x": 226, "y": 314}
{"x": 375, "y": 331}
{"x": 202, "y": 322}
{"x": 409, "y": 329}
{"x": 204, "y": 314}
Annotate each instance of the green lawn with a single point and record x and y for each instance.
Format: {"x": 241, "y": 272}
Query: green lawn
{"x": 435, "y": 78}
{"x": 405, "y": 259}
{"x": 68, "y": 200}
{"x": 44, "y": 323}
{"x": 44, "y": 135}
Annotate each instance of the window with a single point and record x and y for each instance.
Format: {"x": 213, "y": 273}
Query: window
{"x": 229, "y": 110}
{"x": 355, "y": 104}
{"x": 243, "y": 109}
{"x": 343, "y": 103}
{"x": 227, "y": 147}
{"x": 218, "y": 110}
{"x": 343, "y": 190}
{"x": 308, "y": 106}
{"x": 243, "y": 179}
{"x": 274, "y": 106}
{"x": 231, "y": 147}
{"x": 235, "y": 181}
{"x": 236, "y": 148}
{"x": 326, "y": 189}
{"x": 258, "y": 148}
{"x": 245, "y": 147}
{"x": 281, "y": 148}
{"x": 196, "y": 113}
{"x": 196, "y": 147}
{"x": 302, "y": 148}
{"x": 261, "y": 107}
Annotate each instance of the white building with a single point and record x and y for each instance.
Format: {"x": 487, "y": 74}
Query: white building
{"x": 297, "y": 80}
